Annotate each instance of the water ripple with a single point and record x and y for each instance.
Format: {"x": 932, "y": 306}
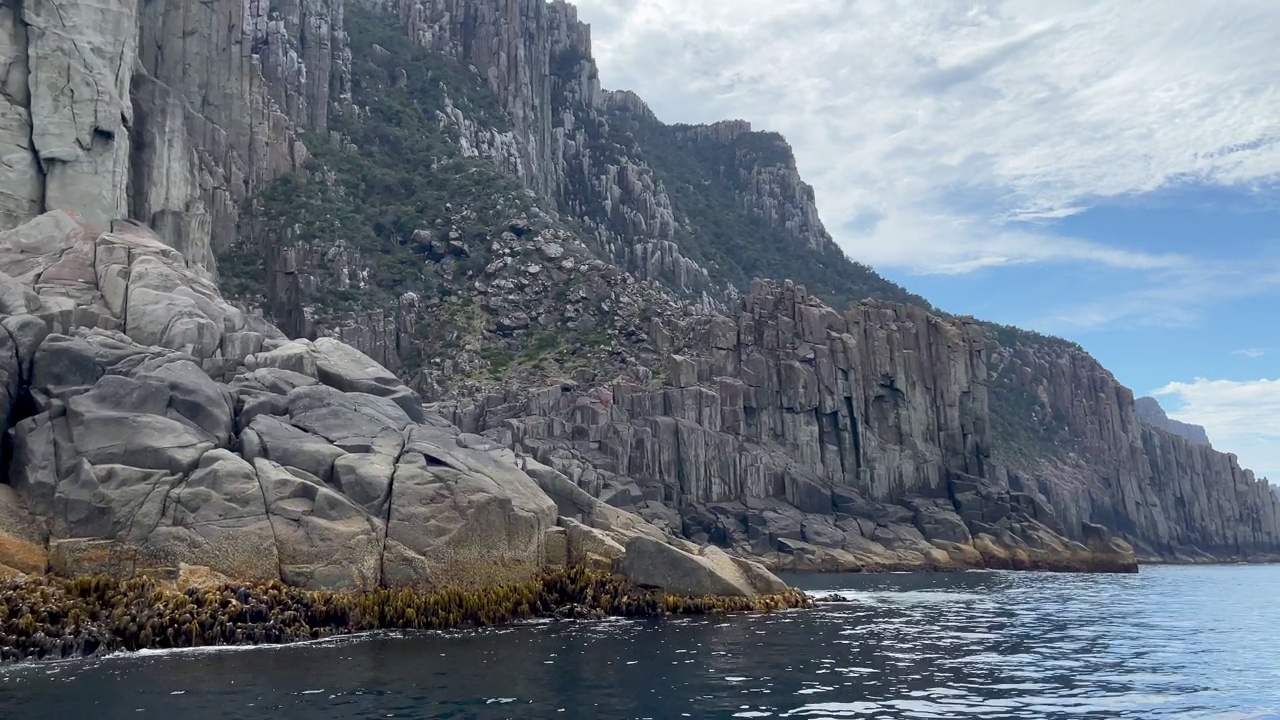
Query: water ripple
{"x": 1195, "y": 643}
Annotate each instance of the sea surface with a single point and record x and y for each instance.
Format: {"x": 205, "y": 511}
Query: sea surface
{"x": 1170, "y": 642}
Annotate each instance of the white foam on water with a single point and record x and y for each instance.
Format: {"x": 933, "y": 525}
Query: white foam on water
{"x": 213, "y": 649}
{"x": 895, "y": 597}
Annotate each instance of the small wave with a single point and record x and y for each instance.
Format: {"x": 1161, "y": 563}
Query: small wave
{"x": 212, "y": 649}
{"x": 605, "y": 624}
{"x": 894, "y": 597}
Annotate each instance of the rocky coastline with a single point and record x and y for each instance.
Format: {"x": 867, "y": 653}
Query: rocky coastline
{"x": 51, "y": 618}
{"x": 151, "y": 426}
{"x": 47, "y": 617}
{"x": 220, "y": 428}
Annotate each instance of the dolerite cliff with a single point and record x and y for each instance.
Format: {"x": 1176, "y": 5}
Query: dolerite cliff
{"x": 815, "y": 440}
{"x": 443, "y": 188}
{"x": 1172, "y": 497}
{"x": 1149, "y": 411}
{"x": 168, "y": 111}
{"x": 156, "y": 428}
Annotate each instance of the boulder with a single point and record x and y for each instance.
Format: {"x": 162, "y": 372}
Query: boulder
{"x": 939, "y": 524}
{"x": 323, "y": 539}
{"x": 343, "y": 367}
{"x": 653, "y": 563}
{"x": 290, "y": 446}
{"x": 588, "y": 545}
{"x": 217, "y": 518}
{"x": 460, "y": 518}
{"x": 295, "y": 357}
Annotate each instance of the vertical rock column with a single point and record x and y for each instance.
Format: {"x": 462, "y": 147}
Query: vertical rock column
{"x": 166, "y": 191}
{"x": 80, "y": 58}
{"x": 1167, "y": 495}
{"x": 248, "y": 75}
{"x": 21, "y": 180}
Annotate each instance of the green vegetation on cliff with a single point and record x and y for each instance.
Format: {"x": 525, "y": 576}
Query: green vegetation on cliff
{"x": 386, "y": 190}
{"x": 390, "y": 204}
{"x": 704, "y": 179}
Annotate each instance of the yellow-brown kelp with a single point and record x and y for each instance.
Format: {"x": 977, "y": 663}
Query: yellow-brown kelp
{"x": 54, "y": 618}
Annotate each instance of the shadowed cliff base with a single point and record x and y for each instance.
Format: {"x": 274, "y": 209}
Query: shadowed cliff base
{"x": 49, "y": 618}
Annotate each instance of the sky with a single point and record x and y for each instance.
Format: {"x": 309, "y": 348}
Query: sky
{"x": 1104, "y": 171}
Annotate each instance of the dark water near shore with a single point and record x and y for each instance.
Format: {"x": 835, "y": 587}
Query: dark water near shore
{"x": 1170, "y": 642}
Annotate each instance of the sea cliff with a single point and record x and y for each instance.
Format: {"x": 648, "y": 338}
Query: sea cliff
{"x": 394, "y": 294}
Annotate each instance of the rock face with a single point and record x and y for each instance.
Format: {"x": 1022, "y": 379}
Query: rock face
{"x": 535, "y": 57}
{"x": 1171, "y": 497}
{"x": 816, "y": 440}
{"x": 829, "y": 441}
{"x": 172, "y": 112}
{"x": 603, "y": 333}
{"x": 65, "y": 112}
{"x": 910, "y": 427}
{"x": 1149, "y": 411}
{"x": 154, "y": 426}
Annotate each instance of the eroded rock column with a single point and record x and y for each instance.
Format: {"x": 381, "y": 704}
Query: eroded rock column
{"x": 80, "y": 58}
{"x": 21, "y": 181}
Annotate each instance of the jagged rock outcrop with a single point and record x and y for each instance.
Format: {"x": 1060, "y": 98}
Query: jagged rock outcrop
{"x": 535, "y": 57}
{"x": 514, "y": 45}
{"x": 154, "y": 426}
{"x": 1149, "y": 411}
{"x": 769, "y": 185}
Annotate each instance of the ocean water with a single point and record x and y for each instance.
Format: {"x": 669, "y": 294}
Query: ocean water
{"x": 1170, "y": 642}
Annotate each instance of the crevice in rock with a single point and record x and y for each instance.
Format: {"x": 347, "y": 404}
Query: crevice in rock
{"x": 386, "y": 517}
{"x": 23, "y": 43}
{"x": 824, "y": 437}
{"x": 22, "y": 406}
{"x": 35, "y": 280}
{"x": 266, "y": 510}
{"x": 128, "y": 282}
{"x": 170, "y": 484}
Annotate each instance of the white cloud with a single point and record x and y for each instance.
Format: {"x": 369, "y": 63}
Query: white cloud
{"x": 1171, "y": 296}
{"x": 1251, "y": 353}
{"x": 1243, "y": 416}
{"x": 951, "y": 244}
{"x": 927, "y": 128}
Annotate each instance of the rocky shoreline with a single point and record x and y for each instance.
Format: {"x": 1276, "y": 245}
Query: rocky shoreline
{"x": 1105, "y": 566}
{"x": 48, "y": 617}
{"x": 54, "y": 618}
{"x": 486, "y": 390}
